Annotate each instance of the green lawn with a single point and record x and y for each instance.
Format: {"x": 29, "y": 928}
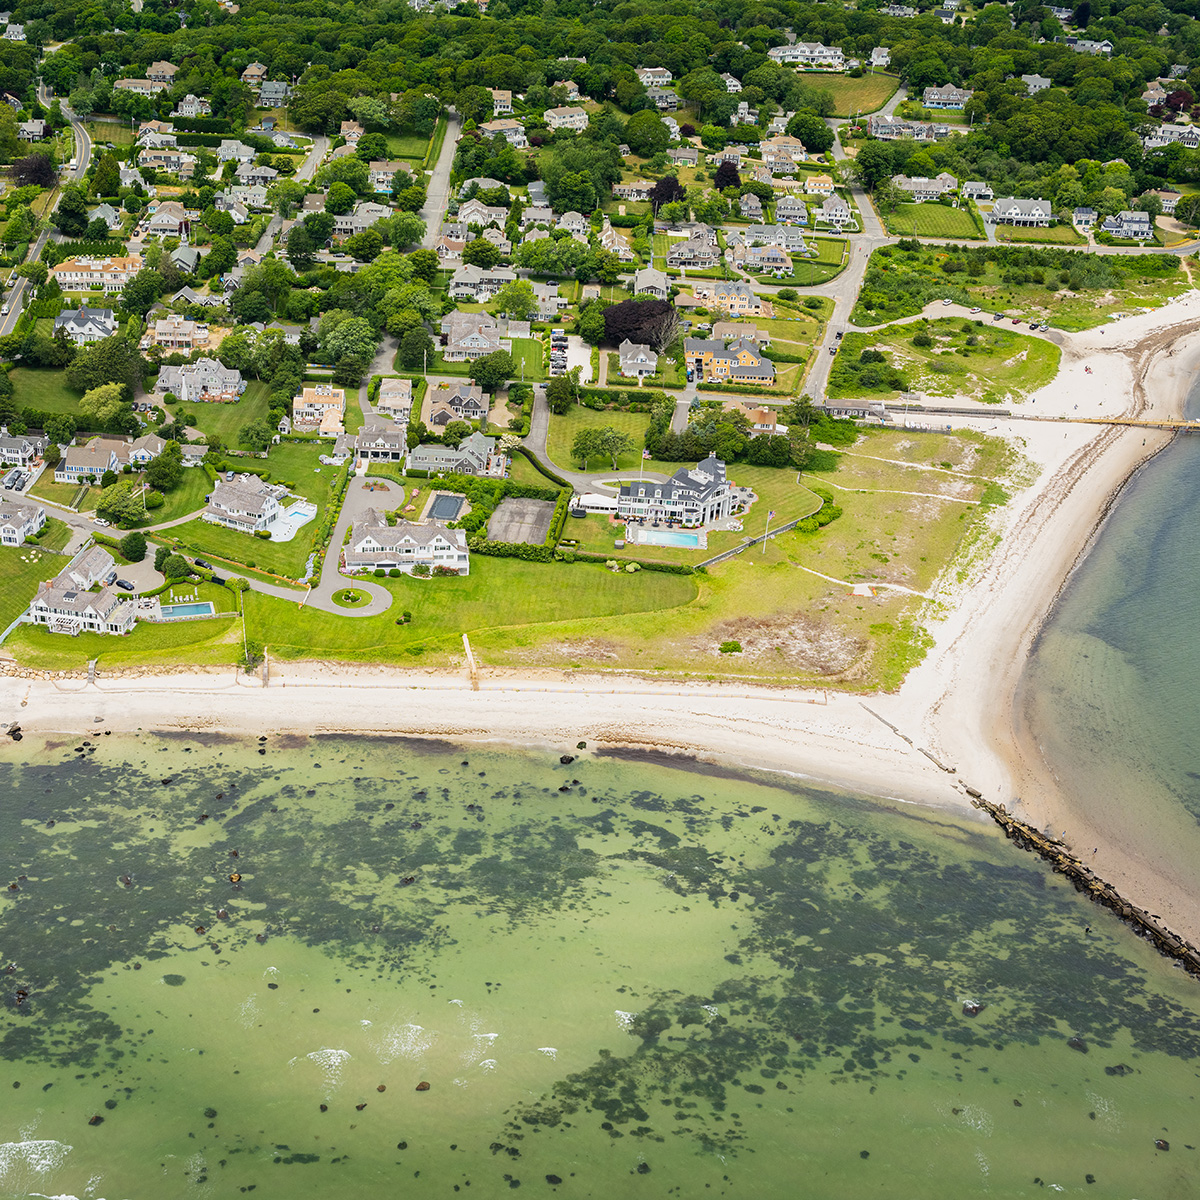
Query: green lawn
{"x": 22, "y": 568}
{"x": 865, "y": 95}
{"x": 669, "y": 373}
{"x": 1062, "y": 235}
{"x": 45, "y": 390}
{"x": 524, "y": 350}
{"x": 1002, "y": 366}
{"x": 186, "y": 497}
{"x": 525, "y": 601}
{"x": 55, "y": 534}
{"x": 117, "y": 132}
{"x": 226, "y": 419}
{"x": 563, "y": 430}
{"x": 296, "y": 463}
{"x": 66, "y": 494}
{"x": 400, "y": 146}
{"x": 931, "y": 220}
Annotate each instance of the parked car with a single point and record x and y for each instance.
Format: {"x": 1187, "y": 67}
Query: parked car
{"x": 1043, "y": 327}
{"x": 947, "y": 301}
{"x": 100, "y": 521}
{"x": 1016, "y": 320}
{"x": 110, "y": 577}
{"x": 125, "y": 585}
{"x": 997, "y": 317}
{"x": 1033, "y": 324}
{"x": 200, "y": 562}
{"x": 976, "y": 309}
{"x": 10, "y": 482}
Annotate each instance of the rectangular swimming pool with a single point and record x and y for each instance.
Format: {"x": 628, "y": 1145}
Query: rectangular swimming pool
{"x": 446, "y": 508}
{"x": 668, "y": 537}
{"x": 178, "y": 612}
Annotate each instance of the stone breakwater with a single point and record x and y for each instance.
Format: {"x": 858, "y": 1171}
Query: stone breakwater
{"x": 1145, "y": 924}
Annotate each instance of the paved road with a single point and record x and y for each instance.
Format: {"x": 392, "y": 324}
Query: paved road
{"x": 437, "y": 193}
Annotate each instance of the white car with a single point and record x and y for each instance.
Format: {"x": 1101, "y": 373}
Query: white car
{"x": 947, "y": 301}
{"x": 100, "y": 521}
{"x": 977, "y": 309}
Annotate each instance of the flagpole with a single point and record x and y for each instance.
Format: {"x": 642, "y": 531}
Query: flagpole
{"x": 770, "y": 514}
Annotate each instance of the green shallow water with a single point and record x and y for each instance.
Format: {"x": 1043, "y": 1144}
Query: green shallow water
{"x": 658, "y": 982}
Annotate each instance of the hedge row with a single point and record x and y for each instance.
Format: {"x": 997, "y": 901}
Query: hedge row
{"x": 481, "y": 545}
{"x": 203, "y": 125}
{"x": 539, "y": 466}
{"x": 199, "y": 139}
{"x": 646, "y": 564}
{"x": 622, "y": 398}
{"x": 56, "y": 252}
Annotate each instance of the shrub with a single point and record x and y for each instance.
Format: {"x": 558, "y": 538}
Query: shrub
{"x": 421, "y": 569}
{"x": 731, "y": 647}
{"x": 395, "y": 572}
{"x": 264, "y": 534}
{"x": 380, "y": 573}
{"x": 154, "y": 500}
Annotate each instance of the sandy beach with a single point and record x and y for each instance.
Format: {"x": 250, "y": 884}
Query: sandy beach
{"x": 953, "y": 723}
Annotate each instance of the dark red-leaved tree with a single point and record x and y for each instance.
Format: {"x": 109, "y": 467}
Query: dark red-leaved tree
{"x": 666, "y": 191}
{"x": 1180, "y": 99}
{"x": 35, "y": 168}
{"x": 727, "y": 176}
{"x": 651, "y": 323}
{"x": 687, "y": 130}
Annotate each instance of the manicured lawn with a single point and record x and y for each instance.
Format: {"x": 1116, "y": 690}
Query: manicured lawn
{"x": 531, "y": 353}
{"x": 669, "y": 373}
{"x": 296, "y": 462}
{"x": 193, "y": 642}
{"x": 22, "y": 568}
{"x": 186, "y": 497}
{"x": 226, "y": 419}
{"x": 1003, "y": 365}
{"x": 499, "y": 594}
{"x": 931, "y": 220}
{"x": 407, "y": 147}
{"x": 120, "y": 134}
{"x": 55, "y": 534}
{"x": 45, "y": 390}
{"x": 215, "y": 541}
{"x": 66, "y": 494}
{"x": 865, "y": 95}
{"x": 563, "y": 430}
{"x": 1062, "y": 235}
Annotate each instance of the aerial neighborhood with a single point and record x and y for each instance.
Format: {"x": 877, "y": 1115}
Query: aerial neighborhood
{"x": 292, "y": 319}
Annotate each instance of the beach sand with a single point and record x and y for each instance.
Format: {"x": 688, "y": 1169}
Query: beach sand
{"x": 957, "y": 710}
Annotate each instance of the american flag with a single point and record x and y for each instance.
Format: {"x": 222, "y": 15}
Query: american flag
{"x": 645, "y": 453}
{"x": 770, "y": 514}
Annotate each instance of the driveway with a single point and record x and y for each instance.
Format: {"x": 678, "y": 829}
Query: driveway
{"x": 437, "y": 192}
{"x": 358, "y": 500}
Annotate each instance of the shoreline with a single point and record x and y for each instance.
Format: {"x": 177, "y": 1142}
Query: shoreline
{"x": 956, "y": 721}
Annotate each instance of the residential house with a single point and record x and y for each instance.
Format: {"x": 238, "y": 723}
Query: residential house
{"x": 945, "y": 15}
{"x": 169, "y": 160}
{"x": 1133, "y": 226}
{"x": 381, "y": 172}
{"x": 251, "y": 173}
{"x": 762, "y": 260}
{"x": 110, "y": 216}
{"x": 374, "y": 544}
{"x": 65, "y": 608}
{"x": 483, "y": 183}
{"x": 463, "y": 401}
{"x": 14, "y": 33}
{"x": 470, "y": 336}
{"x": 162, "y": 72}
{"x": 1086, "y": 45}
{"x": 730, "y": 297}
{"x": 248, "y": 504}
{"x": 1169, "y": 200}
{"x": 139, "y": 87}
{"x": 836, "y": 212}
{"x": 818, "y": 185}
{"x": 231, "y": 150}
{"x": 1036, "y": 83}
{"x": 254, "y": 75}
{"x": 168, "y": 219}
{"x": 740, "y": 362}
{"x": 636, "y": 361}
{"x": 84, "y": 273}
{"x": 549, "y": 302}
{"x": 395, "y": 398}
{"x": 478, "y": 284}
{"x": 791, "y": 210}
{"x": 205, "y": 381}
{"x": 176, "y": 333}
{"x": 82, "y": 326}
{"x": 1084, "y": 218}
{"x": 892, "y": 128}
{"x": 319, "y": 408}
{"x": 273, "y": 93}
{"x": 131, "y": 177}
{"x": 571, "y": 88}
{"x": 190, "y": 296}
{"x": 33, "y": 131}
{"x": 1166, "y": 135}
{"x": 809, "y": 54}
{"x": 788, "y": 237}
{"x": 692, "y": 496}
{"x": 750, "y": 207}
{"x": 1155, "y": 93}
{"x": 476, "y": 455}
{"x": 365, "y": 214}
{"x": 684, "y": 156}
{"x": 732, "y": 85}
{"x": 745, "y": 115}
{"x": 654, "y": 77}
{"x": 664, "y": 99}
{"x": 146, "y": 449}
{"x": 91, "y": 460}
{"x": 945, "y": 97}
{"x": 1010, "y": 211}
{"x": 379, "y": 440}
{"x": 639, "y": 189}
{"x": 192, "y": 106}
{"x": 765, "y": 423}
{"x": 21, "y": 449}
{"x": 566, "y": 118}
{"x": 976, "y": 189}
{"x": 649, "y": 282}
{"x": 727, "y": 331}
{"x": 898, "y": 10}
{"x": 449, "y": 248}
{"x": 672, "y": 127}
{"x": 501, "y": 102}
{"x": 921, "y": 190}
{"x": 699, "y": 250}
{"x": 352, "y": 131}
{"x": 537, "y": 214}
{"x": 575, "y": 223}
{"x": 614, "y": 243}
{"x": 498, "y": 240}
{"x": 782, "y": 149}
{"x": 881, "y": 56}
{"x": 20, "y": 521}
{"x": 475, "y": 212}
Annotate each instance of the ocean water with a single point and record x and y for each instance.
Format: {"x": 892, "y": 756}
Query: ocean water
{"x": 229, "y": 969}
{"x": 1110, "y": 691}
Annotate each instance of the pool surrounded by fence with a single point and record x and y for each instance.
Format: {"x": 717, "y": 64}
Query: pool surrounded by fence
{"x": 183, "y": 612}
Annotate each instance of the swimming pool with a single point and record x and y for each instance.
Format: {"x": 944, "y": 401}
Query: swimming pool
{"x": 446, "y": 508}
{"x": 178, "y": 612}
{"x": 668, "y": 537}
{"x": 289, "y": 522}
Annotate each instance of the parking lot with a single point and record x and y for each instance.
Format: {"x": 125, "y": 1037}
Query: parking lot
{"x": 518, "y": 520}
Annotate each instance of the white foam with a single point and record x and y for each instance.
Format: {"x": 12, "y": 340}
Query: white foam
{"x": 331, "y": 1062}
{"x": 488, "y": 1064}
{"x": 26, "y": 1164}
{"x": 548, "y": 1051}
{"x": 458, "y": 1002}
{"x": 624, "y": 1019}
{"x": 249, "y": 1012}
{"x": 407, "y": 1040}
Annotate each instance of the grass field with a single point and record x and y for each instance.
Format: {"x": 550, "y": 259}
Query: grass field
{"x": 22, "y": 568}
{"x": 226, "y": 419}
{"x": 44, "y": 390}
{"x": 932, "y": 220}
{"x": 563, "y": 430}
{"x": 400, "y": 146}
{"x": 865, "y": 95}
{"x": 187, "y": 496}
{"x": 527, "y": 351}
{"x": 120, "y": 134}
{"x": 55, "y": 534}
{"x": 1059, "y": 235}
{"x": 64, "y": 493}
{"x": 968, "y": 359}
